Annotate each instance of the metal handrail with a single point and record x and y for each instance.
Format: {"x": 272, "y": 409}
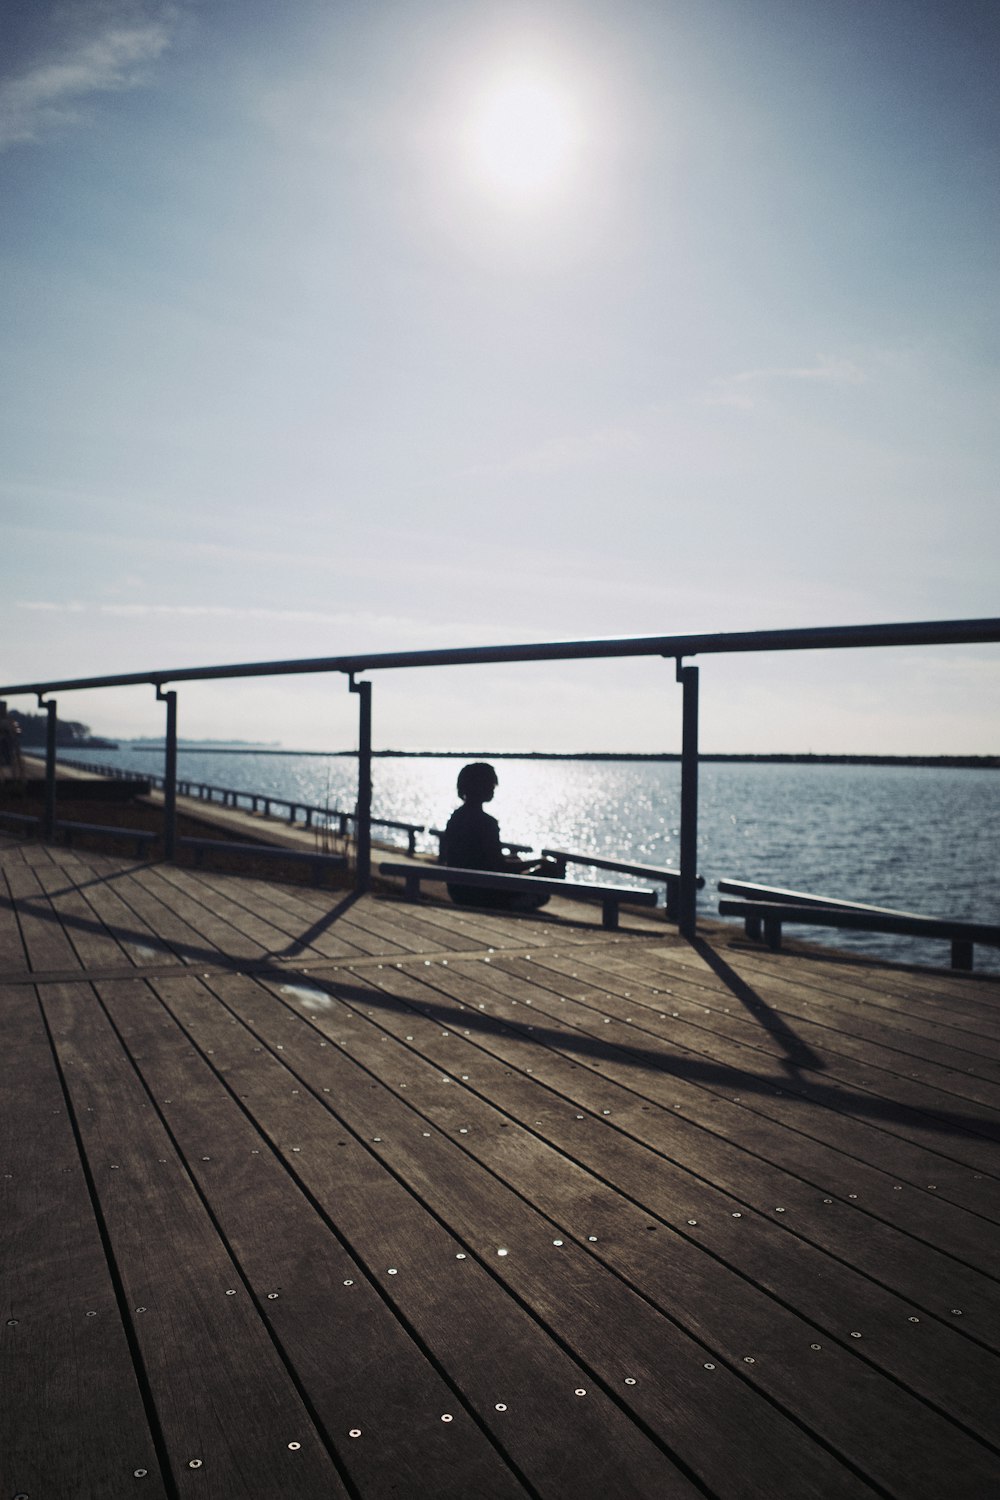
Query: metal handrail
{"x": 836, "y": 637}
{"x": 230, "y": 797}
{"x": 670, "y": 878}
{"x": 818, "y": 638}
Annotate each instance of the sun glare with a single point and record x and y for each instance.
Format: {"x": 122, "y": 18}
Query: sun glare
{"x": 523, "y": 137}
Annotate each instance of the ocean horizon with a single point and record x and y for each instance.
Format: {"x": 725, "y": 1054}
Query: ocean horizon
{"x": 916, "y": 837}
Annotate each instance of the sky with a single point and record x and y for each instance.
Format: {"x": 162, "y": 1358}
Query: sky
{"x": 343, "y": 326}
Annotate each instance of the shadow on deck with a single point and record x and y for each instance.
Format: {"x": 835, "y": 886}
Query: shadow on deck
{"x": 377, "y": 1199}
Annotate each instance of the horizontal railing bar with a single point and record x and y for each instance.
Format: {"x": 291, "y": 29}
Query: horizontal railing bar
{"x": 857, "y": 919}
{"x": 185, "y": 783}
{"x": 778, "y": 895}
{"x": 502, "y": 881}
{"x": 20, "y": 818}
{"x": 619, "y": 866}
{"x": 831, "y": 637}
{"x": 610, "y": 897}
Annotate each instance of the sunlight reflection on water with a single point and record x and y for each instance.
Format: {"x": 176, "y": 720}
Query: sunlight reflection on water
{"x": 912, "y": 837}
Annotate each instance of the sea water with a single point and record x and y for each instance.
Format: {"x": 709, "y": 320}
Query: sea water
{"x": 916, "y": 838}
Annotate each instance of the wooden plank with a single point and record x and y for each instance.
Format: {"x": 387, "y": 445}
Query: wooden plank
{"x": 826, "y": 1110}
{"x": 834, "y": 992}
{"x": 72, "y": 1420}
{"x": 722, "y": 1139}
{"x": 97, "y": 884}
{"x": 628, "y": 1155}
{"x": 45, "y": 942}
{"x": 140, "y": 912}
{"x": 13, "y": 954}
{"x": 96, "y": 947}
{"x": 225, "y": 901}
{"x": 738, "y": 1012}
{"x": 516, "y": 1380}
{"x": 350, "y": 1353}
{"x": 484, "y": 928}
{"x": 225, "y": 1402}
{"x": 838, "y": 1008}
{"x": 145, "y": 896}
{"x": 408, "y": 924}
{"x": 900, "y": 1093}
{"x": 227, "y": 933}
{"x": 952, "y": 1000}
{"x": 319, "y": 921}
{"x": 608, "y": 1325}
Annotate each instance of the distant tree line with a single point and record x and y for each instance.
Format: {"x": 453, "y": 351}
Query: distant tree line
{"x": 69, "y": 733}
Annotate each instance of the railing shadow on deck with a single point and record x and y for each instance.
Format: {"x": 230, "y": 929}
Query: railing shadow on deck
{"x": 659, "y": 1059}
{"x": 800, "y": 1054}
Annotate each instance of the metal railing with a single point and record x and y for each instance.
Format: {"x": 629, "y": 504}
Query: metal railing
{"x": 677, "y": 647}
{"x": 671, "y": 879}
{"x": 766, "y": 908}
{"x": 259, "y": 802}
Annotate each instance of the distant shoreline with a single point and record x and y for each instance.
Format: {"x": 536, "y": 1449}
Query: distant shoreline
{"x": 959, "y": 762}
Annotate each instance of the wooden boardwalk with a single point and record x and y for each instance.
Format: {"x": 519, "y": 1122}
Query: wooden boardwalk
{"x": 309, "y": 1196}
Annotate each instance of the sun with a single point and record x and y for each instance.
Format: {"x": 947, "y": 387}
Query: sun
{"x": 523, "y": 138}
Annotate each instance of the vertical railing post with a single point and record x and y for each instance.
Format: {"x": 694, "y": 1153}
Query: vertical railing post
{"x": 169, "y": 773}
{"x": 49, "y": 813}
{"x": 688, "y": 894}
{"x": 363, "y": 828}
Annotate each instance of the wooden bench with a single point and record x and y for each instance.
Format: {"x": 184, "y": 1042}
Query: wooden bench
{"x": 670, "y": 878}
{"x": 610, "y": 896}
{"x": 319, "y": 862}
{"x": 141, "y": 837}
{"x": 765, "y": 909}
{"x": 22, "y": 820}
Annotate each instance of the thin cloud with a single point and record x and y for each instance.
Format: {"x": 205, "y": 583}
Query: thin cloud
{"x": 400, "y": 628}
{"x": 110, "y": 55}
{"x": 605, "y": 443}
{"x": 737, "y": 390}
{"x": 190, "y": 611}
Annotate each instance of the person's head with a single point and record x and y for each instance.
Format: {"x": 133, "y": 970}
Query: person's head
{"x": 477, "y": 782}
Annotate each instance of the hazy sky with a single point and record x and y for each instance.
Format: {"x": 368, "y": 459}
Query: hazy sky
{"x": 369, "y": 325}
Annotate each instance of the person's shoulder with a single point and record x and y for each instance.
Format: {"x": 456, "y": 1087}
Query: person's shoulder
{"x": 468, "y": 812}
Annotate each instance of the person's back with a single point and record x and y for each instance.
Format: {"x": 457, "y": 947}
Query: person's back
{"x": 472, "y": 839}
{"x": 472, "y": 842}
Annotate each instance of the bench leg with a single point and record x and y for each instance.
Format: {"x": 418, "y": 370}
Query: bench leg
{"x": 609, "y": 913}
{"x": 751, "y": 926}
{"x": 412, "y": 888}
{"x": 772, "y": 933}
{"x": 961, "y": 954}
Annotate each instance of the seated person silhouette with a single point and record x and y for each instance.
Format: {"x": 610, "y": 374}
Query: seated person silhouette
{"x": 472, "y": 842}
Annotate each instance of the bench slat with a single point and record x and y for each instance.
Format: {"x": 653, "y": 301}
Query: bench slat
{"x": 610, "y": 896}
{"x": 874, "y": 921}
{"x": 776, "y": 894}
{"x": 961, "y": 935}
{"x": 619, "y": 866}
